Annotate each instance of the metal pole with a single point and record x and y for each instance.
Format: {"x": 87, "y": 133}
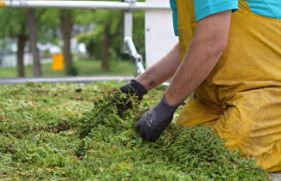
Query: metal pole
{"x": 135, "y": 55}
{"x": 128, "y": 24}
{"x": 81, "y": 5}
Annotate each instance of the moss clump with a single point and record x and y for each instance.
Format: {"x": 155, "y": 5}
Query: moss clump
{"x": 55, "y": 132}
{"x": 189, "y": 153}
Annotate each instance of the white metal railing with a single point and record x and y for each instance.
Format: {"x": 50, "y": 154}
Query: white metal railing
{"x": 83, "y": 4}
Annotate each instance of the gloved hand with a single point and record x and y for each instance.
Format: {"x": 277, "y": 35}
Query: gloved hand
{"x": 154, "y": 121}
{"x": 132, "y": 88}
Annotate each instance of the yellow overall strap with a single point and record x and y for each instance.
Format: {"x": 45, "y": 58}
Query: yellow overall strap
{"x": 186, "y": 20}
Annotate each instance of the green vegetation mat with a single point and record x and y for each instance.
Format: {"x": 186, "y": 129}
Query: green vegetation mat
{"x": 73, "y": 132}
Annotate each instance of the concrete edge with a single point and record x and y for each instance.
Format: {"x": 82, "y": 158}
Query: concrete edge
{"x": 65, "y": 79}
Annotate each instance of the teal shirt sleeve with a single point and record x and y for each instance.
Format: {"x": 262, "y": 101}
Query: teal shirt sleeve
{"x": 204, "y": 8}
{"x": 175, "y": 16}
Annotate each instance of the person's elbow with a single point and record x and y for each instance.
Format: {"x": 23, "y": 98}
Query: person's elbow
{"x": 212, "y": 46}
{"x": 217, "y": 46}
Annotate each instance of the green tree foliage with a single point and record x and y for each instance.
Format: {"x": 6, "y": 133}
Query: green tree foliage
{"x": 13, "y": 25}
{"x": 109, "y": 25}
{"x": 12, "y": 22}
{"x": 100, "y": 30}
{"x": 48, "y": 26}
{"x": 104, "y": 41}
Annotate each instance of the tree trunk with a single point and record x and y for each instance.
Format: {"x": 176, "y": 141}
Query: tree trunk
{"x": 105, "y": 51}
{"x": 33, "y": 40}
{"x": 20, "y": 54}
{"x": 66, "y": 26}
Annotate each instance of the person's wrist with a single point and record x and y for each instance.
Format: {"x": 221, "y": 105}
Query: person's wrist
{"x": 168, "y": 105}
{"x": 139, "y": 88}
{"x": 165, "y": 107}
{"x": 171, "y": 101}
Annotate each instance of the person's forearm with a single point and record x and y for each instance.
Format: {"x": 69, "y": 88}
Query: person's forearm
{"x": 203, "y": 55}
{"x": 161, "y": 71}
{"x": 195, "y": 68}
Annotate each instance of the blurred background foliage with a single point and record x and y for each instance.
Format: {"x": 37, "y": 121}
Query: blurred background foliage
{"x": 100, "y": 31}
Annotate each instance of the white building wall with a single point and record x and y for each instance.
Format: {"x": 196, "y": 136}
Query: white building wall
{"x": 159, "y": 33}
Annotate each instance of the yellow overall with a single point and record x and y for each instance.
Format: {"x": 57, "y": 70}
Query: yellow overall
{"x": 241, "y": 98}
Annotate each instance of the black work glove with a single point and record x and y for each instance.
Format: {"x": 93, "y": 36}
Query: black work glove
{"x": 133, "y": 88}
{"x": 154, "y": 121}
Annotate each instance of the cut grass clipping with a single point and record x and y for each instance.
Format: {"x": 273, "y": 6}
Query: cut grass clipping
{"x": 74, "y": 132}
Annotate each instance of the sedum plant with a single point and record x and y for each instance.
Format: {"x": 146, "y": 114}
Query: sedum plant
{"x": 77, "y": 132}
